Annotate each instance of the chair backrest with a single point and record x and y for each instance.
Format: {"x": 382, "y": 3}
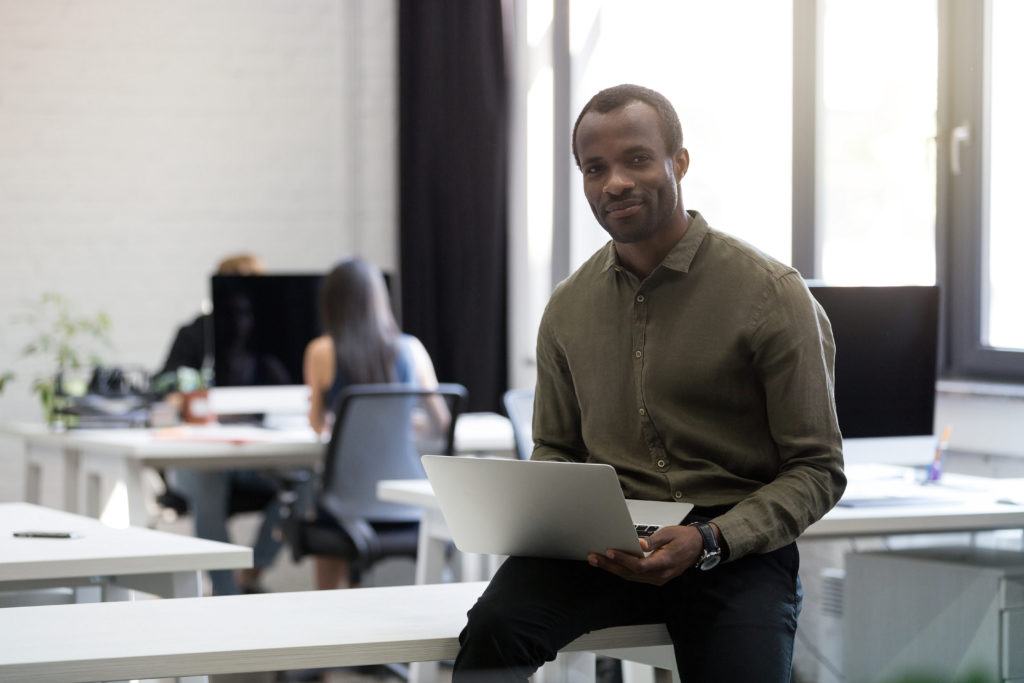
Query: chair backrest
{"x": 380, "y": 432}
{"x": 519, "y": 406}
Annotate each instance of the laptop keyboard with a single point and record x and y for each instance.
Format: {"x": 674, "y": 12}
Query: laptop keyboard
{"x": 645, "y": 530}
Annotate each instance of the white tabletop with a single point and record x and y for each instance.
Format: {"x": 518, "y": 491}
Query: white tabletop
{"x": 98, "y": 472}
{"x": 220, "y": 446}
{"x": 158, "y": 638}
{"x": 100, "y": 550}
{"x": 488, "y": 433}
{"x": 960, "y": 503}
{"x": 883, "y": 499}
{"x": 223, "y": 446}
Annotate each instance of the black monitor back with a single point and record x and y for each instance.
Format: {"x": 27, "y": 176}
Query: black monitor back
{"x": 886, "y": 358}
{"x": 261, "y": 326}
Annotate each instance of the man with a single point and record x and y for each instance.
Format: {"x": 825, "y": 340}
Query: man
{"x": 701, "y": 369}
{"x": 207, "y": 493}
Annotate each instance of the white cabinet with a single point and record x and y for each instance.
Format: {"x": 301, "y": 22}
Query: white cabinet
{"x": 942, "y": 612}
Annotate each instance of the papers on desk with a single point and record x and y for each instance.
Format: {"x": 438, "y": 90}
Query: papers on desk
{"x": 889, "y": 485}
{"x": 889, "y": 501}
{"x": 236, "y": 434}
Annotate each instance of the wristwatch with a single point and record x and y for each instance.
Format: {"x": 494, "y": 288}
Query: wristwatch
{"x": 712, "y": 553}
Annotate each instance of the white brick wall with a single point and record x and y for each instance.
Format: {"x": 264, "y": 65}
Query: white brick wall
{"x": 143, "y": 140}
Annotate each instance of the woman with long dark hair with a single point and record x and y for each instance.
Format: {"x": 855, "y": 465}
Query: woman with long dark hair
{"x": 361, "y": 344}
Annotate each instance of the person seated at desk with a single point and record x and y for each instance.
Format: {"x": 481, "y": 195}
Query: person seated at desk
{"x": 208, "y": 492}
{"x": 362, "y": 345}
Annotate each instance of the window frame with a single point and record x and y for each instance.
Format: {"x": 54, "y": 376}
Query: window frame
{"x": 962, "y": 211}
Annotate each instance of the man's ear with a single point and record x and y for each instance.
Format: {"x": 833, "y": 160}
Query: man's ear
{"x": 680, "y": 163}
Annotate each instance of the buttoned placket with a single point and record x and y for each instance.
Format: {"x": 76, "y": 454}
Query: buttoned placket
{"x": 656, "y": 449}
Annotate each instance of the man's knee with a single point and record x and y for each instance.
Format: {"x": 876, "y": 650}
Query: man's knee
{"x": 495, "y": 639}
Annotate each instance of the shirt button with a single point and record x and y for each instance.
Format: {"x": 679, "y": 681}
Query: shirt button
{"x": 640, "y": 299}
{"x": 661, "y": 463}
{"x": 643, "y": 412}
{"x": 639, "y": 354}
{"x": 678, "y": 495}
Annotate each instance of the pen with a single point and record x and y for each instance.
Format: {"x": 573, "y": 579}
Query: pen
{"x": 47, "y": 534}
{"x": 935, "y": 469}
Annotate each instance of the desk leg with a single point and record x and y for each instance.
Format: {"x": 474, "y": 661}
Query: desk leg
{"x": 185, "y": 584}
{"x": 84, "y": 594}
{"x": 110, "y": 489}
{"x": 72, "y": 470}
{"x": 568, "y": 667}
{"x": 112, "y": 592}
{"x": 430, "y": 552}
{"x": 33, "y": 476}
{"x": 50, "y": 473}
{"x": 432, "y": 544}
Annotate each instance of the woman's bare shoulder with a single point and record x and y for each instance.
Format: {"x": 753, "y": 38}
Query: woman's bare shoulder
{"x": 319, "y": 361}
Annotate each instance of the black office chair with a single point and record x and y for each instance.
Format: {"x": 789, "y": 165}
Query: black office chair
{"x": 519, "y": 407}
{"x": 380, "y": 431}
{"x": 240, "y": 499}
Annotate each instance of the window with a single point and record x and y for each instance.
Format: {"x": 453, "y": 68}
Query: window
{"x": 980, "y": 178}
{"x": 878, "y": 116}
{"x": 896, "y": 164}
{"x": 727, "y": 69}
{"x": 1003, "y": 323}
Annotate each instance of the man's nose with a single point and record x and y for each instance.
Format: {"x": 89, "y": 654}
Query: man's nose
{"x": 618, "y": 181}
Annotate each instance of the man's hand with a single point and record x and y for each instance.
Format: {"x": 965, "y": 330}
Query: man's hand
{"x": 674, "y": 549}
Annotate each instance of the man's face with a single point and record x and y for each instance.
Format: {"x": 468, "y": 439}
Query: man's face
{"x": 631, "y": 181}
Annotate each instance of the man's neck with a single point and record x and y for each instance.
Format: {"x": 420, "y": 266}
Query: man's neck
{"x": 641, "y": 258}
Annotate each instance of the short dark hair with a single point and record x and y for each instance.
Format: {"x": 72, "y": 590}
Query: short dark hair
{"x": 617, "y": 96}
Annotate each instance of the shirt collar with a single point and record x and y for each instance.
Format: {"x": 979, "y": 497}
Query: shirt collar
{"x": 680, "y": 257}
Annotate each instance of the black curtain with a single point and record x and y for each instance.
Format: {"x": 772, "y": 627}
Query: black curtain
{"x": 453, "y": 170}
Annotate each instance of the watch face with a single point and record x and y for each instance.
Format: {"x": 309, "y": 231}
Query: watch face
{"x": 710, "y": 562}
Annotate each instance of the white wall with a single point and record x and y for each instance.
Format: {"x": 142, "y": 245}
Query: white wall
{"x": 143, "y": 140}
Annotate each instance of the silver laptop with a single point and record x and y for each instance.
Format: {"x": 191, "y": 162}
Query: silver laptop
{"x": 534, "y": 508}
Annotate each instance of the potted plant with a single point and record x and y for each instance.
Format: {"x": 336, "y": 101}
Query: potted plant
{"x": 71, "y": 342}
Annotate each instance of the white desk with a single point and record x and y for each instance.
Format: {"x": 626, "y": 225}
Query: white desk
{"x": 248, "y": 633}
{"x": 957, "y": 503}
{"x": 961, "y": 503}
{"x": 164, "y": 564}
{"x": 99, "y": 471}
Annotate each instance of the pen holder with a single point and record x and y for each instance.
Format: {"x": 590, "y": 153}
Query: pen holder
{"x": 197, "y": 408}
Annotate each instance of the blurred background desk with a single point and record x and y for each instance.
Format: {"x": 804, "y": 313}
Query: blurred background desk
{"x": 100, "y": 472}
{"x": 880, "y": 501}
{"x": 111, "y": 561}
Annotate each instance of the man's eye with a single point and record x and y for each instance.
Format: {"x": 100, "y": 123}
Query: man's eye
{"x": 592, "y": 170}
{"x": 641, "y": 158}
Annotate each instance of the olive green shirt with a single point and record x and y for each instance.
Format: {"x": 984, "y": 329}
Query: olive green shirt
{"x": 709, "y": 382}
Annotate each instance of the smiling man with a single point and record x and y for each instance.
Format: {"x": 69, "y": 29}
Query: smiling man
{"x": 702, "y": 370}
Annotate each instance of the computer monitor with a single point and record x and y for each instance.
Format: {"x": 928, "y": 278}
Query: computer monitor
{"x": 886, "y": 369}
{"x": 261, "y": 326}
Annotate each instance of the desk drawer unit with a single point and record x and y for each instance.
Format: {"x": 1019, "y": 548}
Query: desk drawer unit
{"x": 943, "y": 612}
{"x": 1013, "y": 628}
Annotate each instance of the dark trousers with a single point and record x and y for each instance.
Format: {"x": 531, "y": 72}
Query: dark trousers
{"x": 735, "y": 622}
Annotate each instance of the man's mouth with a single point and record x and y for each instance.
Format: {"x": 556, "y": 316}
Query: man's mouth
{"x": 623, "y": 209}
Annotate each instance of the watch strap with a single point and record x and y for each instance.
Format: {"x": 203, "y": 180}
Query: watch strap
{"x": 712, "y": 552}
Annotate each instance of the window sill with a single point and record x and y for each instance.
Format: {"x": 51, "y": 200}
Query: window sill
{"x": 980, "y": 389}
